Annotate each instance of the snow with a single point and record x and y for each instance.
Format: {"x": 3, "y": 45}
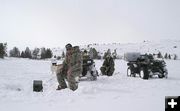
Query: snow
{"x": 163, "y": 46}
{"x": 115, "y": 93}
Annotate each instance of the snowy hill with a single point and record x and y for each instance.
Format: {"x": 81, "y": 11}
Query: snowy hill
{"x": 164, "y": 46}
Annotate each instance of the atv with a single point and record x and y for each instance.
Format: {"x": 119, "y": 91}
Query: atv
{"x": 146, "y": 67}
{"x": 89, "y": 70}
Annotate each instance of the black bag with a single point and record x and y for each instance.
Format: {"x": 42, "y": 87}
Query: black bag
{"x": 37, "y": 86}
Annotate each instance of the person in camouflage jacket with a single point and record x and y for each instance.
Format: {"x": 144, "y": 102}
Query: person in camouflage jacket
{"x": 108, "y": 66}
{"x": 71, "y": 68}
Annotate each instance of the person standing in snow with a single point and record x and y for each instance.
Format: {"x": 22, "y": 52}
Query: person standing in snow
{"x": 71, "y": 68}
{"x": 108, "y": 65}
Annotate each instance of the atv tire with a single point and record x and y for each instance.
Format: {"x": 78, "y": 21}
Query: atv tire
{"x": 129, "y": 72}
{"x": 144, "y": 73}
{"x": 160, "y": 75}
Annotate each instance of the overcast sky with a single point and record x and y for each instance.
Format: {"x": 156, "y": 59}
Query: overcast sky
{"x": 53, "y": 23}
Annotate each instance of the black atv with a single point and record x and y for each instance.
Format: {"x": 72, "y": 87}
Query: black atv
{"x": 145, "y": 66}
{"x": 89, "y": 70}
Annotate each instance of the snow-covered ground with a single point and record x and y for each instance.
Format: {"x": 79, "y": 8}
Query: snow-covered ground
{"x": 164, "y": 46}
{"x": 115, "y": 93}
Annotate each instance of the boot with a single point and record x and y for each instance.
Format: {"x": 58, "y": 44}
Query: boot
{"x": 59, "y": 87}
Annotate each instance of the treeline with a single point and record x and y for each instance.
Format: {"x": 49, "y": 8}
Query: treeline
{"x": 94, "y": 54}
{"x": 167, "y": 56}
{"x": 37, "y": 53}
{"x": 3, "y": 50}
{"x": 113, "y": 54}
{"x": 43, "y": 53}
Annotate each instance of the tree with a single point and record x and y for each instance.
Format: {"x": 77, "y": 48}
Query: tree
{"x": 3, "y": 47}
{"x": 22, "y": 54}
{"x": 48, "y": 53}
{"x": 35, "y": 53}
{"x": 14, "y": 52}
{"x": 43, "y": 53}
{"x": 175, "y": 57}
{"x": 169, "y": 56}
{"x": 27, "y": 53}
{"x": 166, "y": 56}
{"x": 107, "y": 53}
{"x": 159, "y": 55}
{"x": 93, "y": 53}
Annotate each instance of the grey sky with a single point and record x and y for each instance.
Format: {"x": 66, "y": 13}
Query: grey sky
{"x": 53, "y": 23}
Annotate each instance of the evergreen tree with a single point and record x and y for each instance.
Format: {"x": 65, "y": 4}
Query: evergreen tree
{"x": 175, "y": 57}
{"x": 22, "y": 54}
{"x": 166, "y": 56}
{"x": 159, "y": 55}
{"x": 27, "y": 53}
{"x": 48, "y": 53}
{"x": 14, "y": 52}
{"x": 169, "y": 56}
{"x": 43, "y": 53}
{"x": 35, "y": 53}
{"x": 93, "y": 53}
{"x": 107, "y": 53}
{"x": 3, "y": 48}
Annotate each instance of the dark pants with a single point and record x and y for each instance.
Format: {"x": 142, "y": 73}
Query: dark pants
{"x": 71, "y": 79}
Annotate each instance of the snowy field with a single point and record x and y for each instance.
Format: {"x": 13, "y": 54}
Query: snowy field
{"x": 116, "y": 93}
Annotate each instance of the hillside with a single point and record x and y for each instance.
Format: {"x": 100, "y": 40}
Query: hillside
{"x": 164, "y": 46}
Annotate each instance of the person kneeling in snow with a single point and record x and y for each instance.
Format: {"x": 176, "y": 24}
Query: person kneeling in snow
{"x": 108, "y": 66}
{"x": 71, "y": 68}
